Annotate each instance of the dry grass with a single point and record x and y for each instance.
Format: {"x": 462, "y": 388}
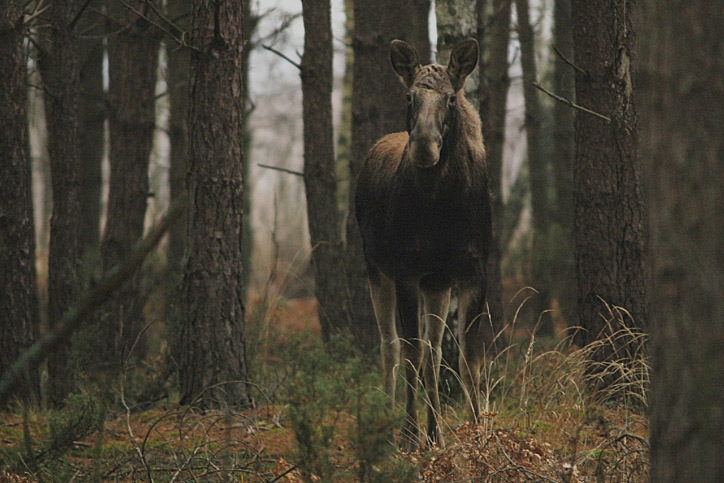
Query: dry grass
{"x": 548, "y": 417}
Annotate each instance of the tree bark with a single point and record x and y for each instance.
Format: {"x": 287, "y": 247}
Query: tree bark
{"x": 91, "y": 118}
{"x": 178, "y": 79}
{"x": 19, "y": 304}
{"x": 538, "y": 172}
{"x": 493, "y": 101}
{"x": 609, "y": 233}
{"x": 344, "y": 130}
{"x": 60, "y": 71}
{"x": 132, "y": 62}
{"x": 420, "y": 30}
{"x": 564, "y": 286}
{"x": 247, "y": 232}
{"x": 319, "y": 170}
{"x": 179, "y": 60}
{"x": 378, "y": 108}
{"x": 682, "y": 150}
{"x": 213, "y": 370}
{"x": 457, "y": 20}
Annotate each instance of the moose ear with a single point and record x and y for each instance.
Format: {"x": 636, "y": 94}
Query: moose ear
{"x": 403, "y": 57}
{"x": 463, "y": 60}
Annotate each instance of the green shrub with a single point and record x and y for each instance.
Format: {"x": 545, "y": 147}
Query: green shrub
{"x": 334, "y": 403}
{"x": 82, "y": 415}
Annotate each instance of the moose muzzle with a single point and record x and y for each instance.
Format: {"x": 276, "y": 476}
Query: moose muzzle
{"x": 424, "y": 146}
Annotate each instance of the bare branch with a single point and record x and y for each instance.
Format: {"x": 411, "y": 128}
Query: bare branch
{"x": 39, "y": 10}
{"x": 571, "y": 103}
{"x": 284, "y": 25}
{"x": 570, "y": 62}
{"x": 272, "y": 49}
{"x": 283, "y": 170}
{"x": 132, "y": 437}
{"x": 71, "y": 25}
{"x": 285, "y": 473}
{"x": 181, "y": 41}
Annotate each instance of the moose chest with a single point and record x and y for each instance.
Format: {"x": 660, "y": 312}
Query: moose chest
{"x": 433, "y": 231}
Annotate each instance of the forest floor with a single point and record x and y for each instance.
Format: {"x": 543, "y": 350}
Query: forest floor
{"x": 313, "y": 423}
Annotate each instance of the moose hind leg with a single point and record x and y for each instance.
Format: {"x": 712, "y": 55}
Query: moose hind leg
{"x": 408, "y": 313}
{"x": 435, "y": 309}
{"x": 475, "y": 336}
{"x": 382, "y": 291}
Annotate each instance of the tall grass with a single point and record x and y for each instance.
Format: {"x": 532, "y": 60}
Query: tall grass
{"x": 545, "y": 397}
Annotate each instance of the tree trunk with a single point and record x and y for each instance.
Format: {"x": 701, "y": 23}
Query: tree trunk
{"x": 247, "y": 233}
{"x": 178, "y": 80}
{"x": 420, "y": 30}
{"x": 564, "y": 286}
{"x": 457, "y": 20}
{"x": 61, "y": 78}
{"x": 609, "y": 235}
{"x": 378, "y": 108}
{"x": 493, "y": 101}
{"x": 132, "y": 63}
{"x": 537, "y": 170}
{"x": 179, "y": 59}
{"x": 19, "y": 304}
{"x": 344, "y": 130}
{"x": 319, "y": 170}
{"x": 213, "y": 369}
{"x": 682, "y": 117}
{"x": 421, "y": 37}
{"x": 91, "y": 117}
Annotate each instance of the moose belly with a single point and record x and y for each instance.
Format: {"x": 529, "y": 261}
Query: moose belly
{"x": 418, "y": 258}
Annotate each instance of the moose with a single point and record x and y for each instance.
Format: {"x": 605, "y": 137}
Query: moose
{"x": 423, "y": 209}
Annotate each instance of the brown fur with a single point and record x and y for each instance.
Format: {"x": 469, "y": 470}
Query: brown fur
{"x": 423, "y": 209}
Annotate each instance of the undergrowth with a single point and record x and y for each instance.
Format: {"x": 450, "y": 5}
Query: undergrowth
{"x": 321, "y": 415}
{"x": 341, "y": 420}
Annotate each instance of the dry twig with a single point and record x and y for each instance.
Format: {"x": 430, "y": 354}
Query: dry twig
{"x": 283, "y": 170}
{"x": 282, "y": 55}
{"x": 570, "y": 62}
{"x": 571, "y": 103}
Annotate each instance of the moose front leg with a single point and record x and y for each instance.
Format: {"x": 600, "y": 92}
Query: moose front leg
{"x": 435, "y": 308}
{"x": 408, "y": 313}
{"x": 382, "y": 291}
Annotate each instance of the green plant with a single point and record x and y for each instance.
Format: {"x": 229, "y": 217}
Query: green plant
{"x": 82, "y": 415}
{"x": 372, "y": 436}
{"x": 335, "y": 401}
{"x": 315, "y": 396}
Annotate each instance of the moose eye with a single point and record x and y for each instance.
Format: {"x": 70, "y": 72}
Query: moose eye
{"x": 452, "y": 100}
{"x": 409, "y": 97}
